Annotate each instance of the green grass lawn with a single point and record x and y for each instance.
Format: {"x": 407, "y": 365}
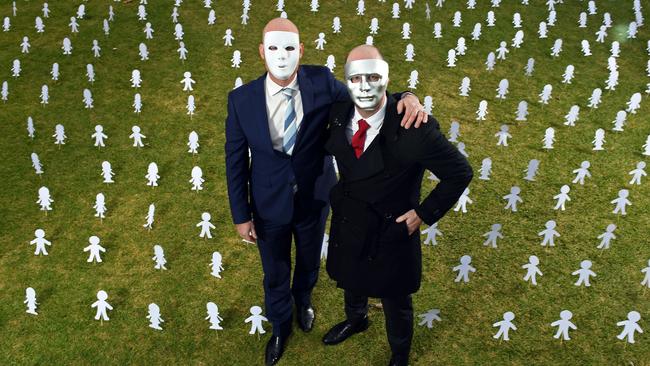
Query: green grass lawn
{"x": 65, "y": 332}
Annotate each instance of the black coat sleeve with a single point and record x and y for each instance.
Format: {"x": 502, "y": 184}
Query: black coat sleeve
{"x": 435, "y": 153}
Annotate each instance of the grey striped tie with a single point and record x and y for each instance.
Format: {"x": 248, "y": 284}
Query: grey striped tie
{"x": 289, "y": 139}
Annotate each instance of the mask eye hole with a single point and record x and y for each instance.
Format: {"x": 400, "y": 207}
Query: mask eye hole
{"x": 273, "y": 48}
{"x": 355, "y": 79}
{"x": 374, "y": 77}
{"x": 290, "y": 48}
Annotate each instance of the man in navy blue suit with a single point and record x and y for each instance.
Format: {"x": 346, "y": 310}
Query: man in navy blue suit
{"x": 280, "y": 191}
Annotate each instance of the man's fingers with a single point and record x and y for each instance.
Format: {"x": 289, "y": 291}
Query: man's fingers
{"x": 400, "y": 106}
{"x": 253, "y": 233}
{"x": 402, "y": 218}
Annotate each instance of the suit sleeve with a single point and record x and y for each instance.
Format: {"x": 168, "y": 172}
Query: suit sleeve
{"x": 441, "y": 157}
{"x": 237, "y": 167}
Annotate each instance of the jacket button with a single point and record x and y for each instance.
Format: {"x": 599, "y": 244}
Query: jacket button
{"x": 388, "y": 216}
{"x": 369, "y": 259}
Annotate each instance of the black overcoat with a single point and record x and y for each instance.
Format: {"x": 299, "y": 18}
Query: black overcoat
{"x": 369, "y": 253}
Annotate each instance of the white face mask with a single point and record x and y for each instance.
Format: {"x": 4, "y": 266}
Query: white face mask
{"x": 281, "y": 53}
{"x": 367, "y": 81}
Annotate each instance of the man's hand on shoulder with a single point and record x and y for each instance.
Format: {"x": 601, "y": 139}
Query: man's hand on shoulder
{"x": 246, "y": 231}
{"x": 413, "y": 111}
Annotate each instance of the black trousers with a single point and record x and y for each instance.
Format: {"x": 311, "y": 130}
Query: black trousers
{"x": 398, "y": 312}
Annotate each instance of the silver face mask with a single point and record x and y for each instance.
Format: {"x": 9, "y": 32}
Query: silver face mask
{"x": 367, "y": 81}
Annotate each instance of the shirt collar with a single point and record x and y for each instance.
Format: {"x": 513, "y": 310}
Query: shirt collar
{"x": 375, "y": 121}
{"x": 273, "y": 88}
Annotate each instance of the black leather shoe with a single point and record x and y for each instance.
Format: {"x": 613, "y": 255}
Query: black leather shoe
{"x": 398, "y": 360}
{"x": 274, "y": 349}
{"x": 306, "y": 317}
{"x": 344, "y": 330}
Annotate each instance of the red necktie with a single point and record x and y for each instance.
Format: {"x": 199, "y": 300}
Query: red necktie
{"x": 359, "y": 138}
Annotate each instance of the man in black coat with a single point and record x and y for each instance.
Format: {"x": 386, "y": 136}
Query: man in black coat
{"x": 374, "y": 247}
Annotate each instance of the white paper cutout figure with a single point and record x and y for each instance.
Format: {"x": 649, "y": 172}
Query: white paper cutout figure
{"x": 212, "y": 17}
{"x": 460, "y": 46}
{"x": 427, "y": 11}
{"x": 6, "y": 24}
{"x": 24, "y": 45}
{"x": 431, "y": 232}
{"x": 530, "y": 67}
{"x": 106, "y": 27}
{"x": 100, "y": 205}
{"x": 563, "y": 324}
{"x": 150, "y": 217}
{"x": 632, "y": 30}
{"x": 490, "y": 61}
{"x": 582, "y": 20}
{"x": 599, "y": 140}
{"x": 601, "y": 34}
{"x": 607, "y": 237}
{"x": 465, "y": 87}
{"x": 463, "y": 200}
{"x": 562, "y": 197}
{"x": 451, "y": 58}
{"x": 228, "y": 37}
{"x": 518, "y": 39}
{"x": 406, "y": 31}
{"x": 454, "y": 131}
{"x": 549, "y": 234}
{"x": 107, "y": 172}
{"x": 413, "y": 80}
{"x": 320, "y": 42}
{"x": 36, "y": 164}
{"x": 205, "y": 225}
{"x": 612, "y": 80}
{"x": 330, "y": 63}
{"x": 492, "y": 236}
{"x": 557, "y": 48}
{"x": 15, "y": 68}
{"x": 94, "y": 249}
{"x": 74, "y": 26}
{"x": 586, "y": 49}
{"x": 542, "y": 30}
{"x": 238, "y": 82}
{"x": 584, "y": 273}
{"x": 148, "y": 31}
{"x": 326, "y": 238}
{"x": 46, "y": 10}
{"x": 256, "y": 320}
{"x": 464, "y": 268}
{"x": 549, "y": 138}
{"x": 30, "y": 300}
{"x": 522, "y": 111}
{"x": 394, "y": 11}
{"x": 111, "y": 13}
{"x": 374, "y": 25}
{"x": 99, "y": 136}
{"x": 154, "y": 316}
{"x": 503, "y": 136}
{"x": 532, "y": 270}
{"x": 137, "y": 103}
{"x": 457, "y": 19}
{"x": 428, "y": 104}
{"x": 67, "y": 46}
{"x": 428, "y": 318}
{"x": 207, "y": 3}
{"x": 137, "y": 136}
{"x": 568, "y": 74}
{"x": 502, "y": 90}
{"x": 44, "y": 199}
{"x": 187, "y": 81}
{"x": 513, "y": 198}
{"x": 88, "y": 98}
{"x": 504, "y": 326}
{"x": 502, "y": 51}
{"x": 621, "y": 202}
{"x": 216, "y": 265}
{"x": 591, "y": 6}
{"x": 55, "y": 71}
{"x": 40, "y": 242}
{"x": 197, "y": 179}
{"x": 143, "y": 52}
{"x": 572, "y": 116}
{"x": 552, "y": 17}
{"x": 630, "y": 326}
{"x": 437, "y": 30}
{"x": 634, "y": 103}
{"x": 481, "y": 113}
{"x": 582, "y": 172}
{"x": 531, "y": 170}
{"x": 409, "y": 53}
{"x": 142, "y": 12}
{"x": 102, "y": 305}
{"x": 619, "y": 122}
{"x": 236, "y": 59}
{"x": 615, "y": 50}
{"x": 646, "y": 278}
{"x": 45, "y": 94}
{"x": 594, "y": 100}
{"x": 136, "y": 80}
{"x": 476, "y": 32}
{"x": 213, "y": 316}
{"x": 191, "y": 107}
{"x": 336, "y": 25}
{"x": 193, "y": 142}
{"x": 90, "y": 72}
{"x": 486, "y": 169}
{"x": 361, "y": 8}
{"x": 461, "y": 149}
{"x": 152, "y": 175}
{"x": 490, "y": 19}
{"x": 159, "y": 257}
{"x": 30, "y": 127}
{"x": 545, "y": 95}
{"x": 369, "y": 40}
{"x": 638, "y": 173}
{"x": 178, "y": 31}
{"x": 646, "y": 146}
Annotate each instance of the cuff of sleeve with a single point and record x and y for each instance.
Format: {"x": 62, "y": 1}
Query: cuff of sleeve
{"x": 429, "y": 218}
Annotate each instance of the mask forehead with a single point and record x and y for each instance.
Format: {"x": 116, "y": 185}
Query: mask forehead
{"x": 281, "y": 39}
{"x": 367, "y": 67}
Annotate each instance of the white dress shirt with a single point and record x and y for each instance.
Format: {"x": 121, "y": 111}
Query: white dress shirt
{"x": 375, "y": 121}
{"x": 276, "y": 106}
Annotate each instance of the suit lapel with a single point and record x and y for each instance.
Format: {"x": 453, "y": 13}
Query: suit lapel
{"x": 258, "y": 109}
{"x": 307, "y": 96}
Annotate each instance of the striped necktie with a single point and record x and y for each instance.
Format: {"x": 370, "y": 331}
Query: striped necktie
{"x": 289, "y": 139}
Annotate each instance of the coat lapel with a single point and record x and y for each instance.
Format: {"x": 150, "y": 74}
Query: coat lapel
{"x": 259, "y": 114}
{"x": 307, "y": 96}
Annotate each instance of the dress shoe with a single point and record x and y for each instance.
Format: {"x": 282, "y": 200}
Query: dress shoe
{"x": 398, "y": 360}
{"x": 344, "y": 330}
{"x": 306, "y": 317}
{"x": 274, "y": 349}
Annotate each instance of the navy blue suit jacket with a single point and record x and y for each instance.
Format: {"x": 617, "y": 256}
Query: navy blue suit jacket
{"x": 263, "y": 185}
